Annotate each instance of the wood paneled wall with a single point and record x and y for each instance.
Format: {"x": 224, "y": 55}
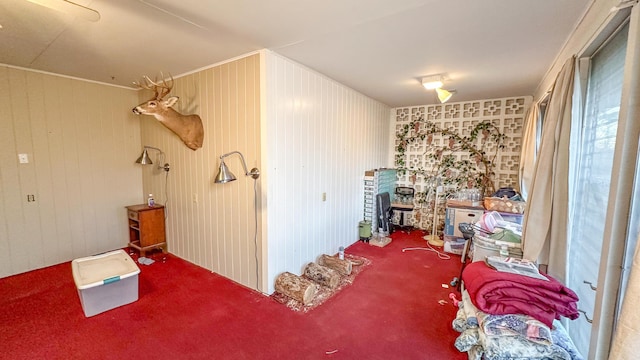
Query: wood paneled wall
{"x": 308, "y": 134}
{"x": 81, "y": 140}
{"x": 211, "y": 225}
{"x": 320, "y": 137}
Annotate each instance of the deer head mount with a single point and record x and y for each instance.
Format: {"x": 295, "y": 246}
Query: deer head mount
{"x": 188, "y": 127}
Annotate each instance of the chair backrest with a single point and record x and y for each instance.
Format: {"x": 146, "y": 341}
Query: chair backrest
{"x": 405, "y": 191}
{"x": 384, "y": 210}
{"x": 404, "y": 194}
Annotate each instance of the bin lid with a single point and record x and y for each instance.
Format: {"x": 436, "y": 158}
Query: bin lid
{"x": 102, "y": 269}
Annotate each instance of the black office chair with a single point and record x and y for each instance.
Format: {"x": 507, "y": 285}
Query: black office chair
{"x": 383, "y": 201}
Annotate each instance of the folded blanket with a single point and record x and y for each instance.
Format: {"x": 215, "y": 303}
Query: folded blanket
{"x": 459, "y": 324}
{"x": 470, "y": 310}
{"x": 516, "y": 348}
{"x": 467, "y": 339}
{"x": 562, "y": 340}
{"x": 522, "y": 326}
{"x": 512, "y": 347}
{"x": 501, "y": 293}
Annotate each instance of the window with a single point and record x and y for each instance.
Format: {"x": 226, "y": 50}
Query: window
{"x": 592, "y": 159}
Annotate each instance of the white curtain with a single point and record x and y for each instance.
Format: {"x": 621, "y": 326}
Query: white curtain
{"x": 626, "y": 339}
{"x": 545, "y": 225}
{"x": 528, "y": 152}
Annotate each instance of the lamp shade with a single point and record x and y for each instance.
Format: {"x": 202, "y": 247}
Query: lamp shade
{"x": 144, "y": 158}
{"x": 443, "y": 95}
{"x": 224, "y": 175}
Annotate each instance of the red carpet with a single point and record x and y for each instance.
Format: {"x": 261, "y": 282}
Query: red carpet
{"x": 391, "y": 311}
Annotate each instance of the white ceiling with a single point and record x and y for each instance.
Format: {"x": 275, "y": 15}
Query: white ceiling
{"x": 488, "y": 48}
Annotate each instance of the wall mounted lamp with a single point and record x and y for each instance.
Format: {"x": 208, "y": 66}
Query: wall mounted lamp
{"x": 435, "y": 82}
{"x": 225, "y": 175}
{"x": 144, "y": 158}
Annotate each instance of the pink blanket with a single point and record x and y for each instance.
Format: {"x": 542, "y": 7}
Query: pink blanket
{"x": 501, "y": 293}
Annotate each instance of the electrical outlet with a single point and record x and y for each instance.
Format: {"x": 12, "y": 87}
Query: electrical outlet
{"x": 31, "y": 198}
{"x": 194, "y": 198}
{"x": 23, "y": 158}
{"x": 324, "y": 196}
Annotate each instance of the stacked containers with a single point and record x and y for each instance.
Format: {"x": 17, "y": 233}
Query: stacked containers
{"x": 376, "y": 181}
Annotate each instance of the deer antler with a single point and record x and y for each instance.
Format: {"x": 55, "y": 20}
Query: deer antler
{"x": 160, "y": 90}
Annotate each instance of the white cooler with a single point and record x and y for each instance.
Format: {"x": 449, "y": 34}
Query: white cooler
{"x": 105, "y": 281}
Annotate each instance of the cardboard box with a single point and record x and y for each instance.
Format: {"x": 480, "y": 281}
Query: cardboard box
{"x": 454, "y": 216}
{"x": 105, "y": 281}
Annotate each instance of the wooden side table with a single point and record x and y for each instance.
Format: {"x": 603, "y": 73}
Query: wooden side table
{"x": 146, "y": 227}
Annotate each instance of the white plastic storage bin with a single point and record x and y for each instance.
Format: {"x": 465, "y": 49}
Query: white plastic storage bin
{"x": 483, "y": 249}
{"x": 514, "y": 218}
{"x": 454, "y": 245}
{"x": 105, "y": 281}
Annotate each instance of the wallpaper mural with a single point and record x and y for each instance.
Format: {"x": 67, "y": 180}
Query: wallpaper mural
{"x": 465, "y": 145}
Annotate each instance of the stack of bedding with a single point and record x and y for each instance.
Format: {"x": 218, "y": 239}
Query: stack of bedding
{"x": 497, "y": 322}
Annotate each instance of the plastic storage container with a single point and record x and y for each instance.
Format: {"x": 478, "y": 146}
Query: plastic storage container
{"x": 105, "y": 281}
{"x": 483, "y": 247}
{"x": 454, "y": 245}
{"x": 514, "y": 218}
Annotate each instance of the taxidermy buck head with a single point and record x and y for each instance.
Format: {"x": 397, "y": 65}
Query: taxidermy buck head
{"x": 188, "y": 127}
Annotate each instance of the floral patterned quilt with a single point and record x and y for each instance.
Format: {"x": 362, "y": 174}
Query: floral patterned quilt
{"x": 511, "y": 337}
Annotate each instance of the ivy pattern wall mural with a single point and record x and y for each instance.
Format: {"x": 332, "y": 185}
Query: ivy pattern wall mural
{"x": 461, "y": 145}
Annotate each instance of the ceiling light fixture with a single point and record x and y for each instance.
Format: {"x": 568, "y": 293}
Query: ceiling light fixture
{"x": 435, "y": 82}
{"x": 444, "y": 95}
{"x": 70, "y": 8}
